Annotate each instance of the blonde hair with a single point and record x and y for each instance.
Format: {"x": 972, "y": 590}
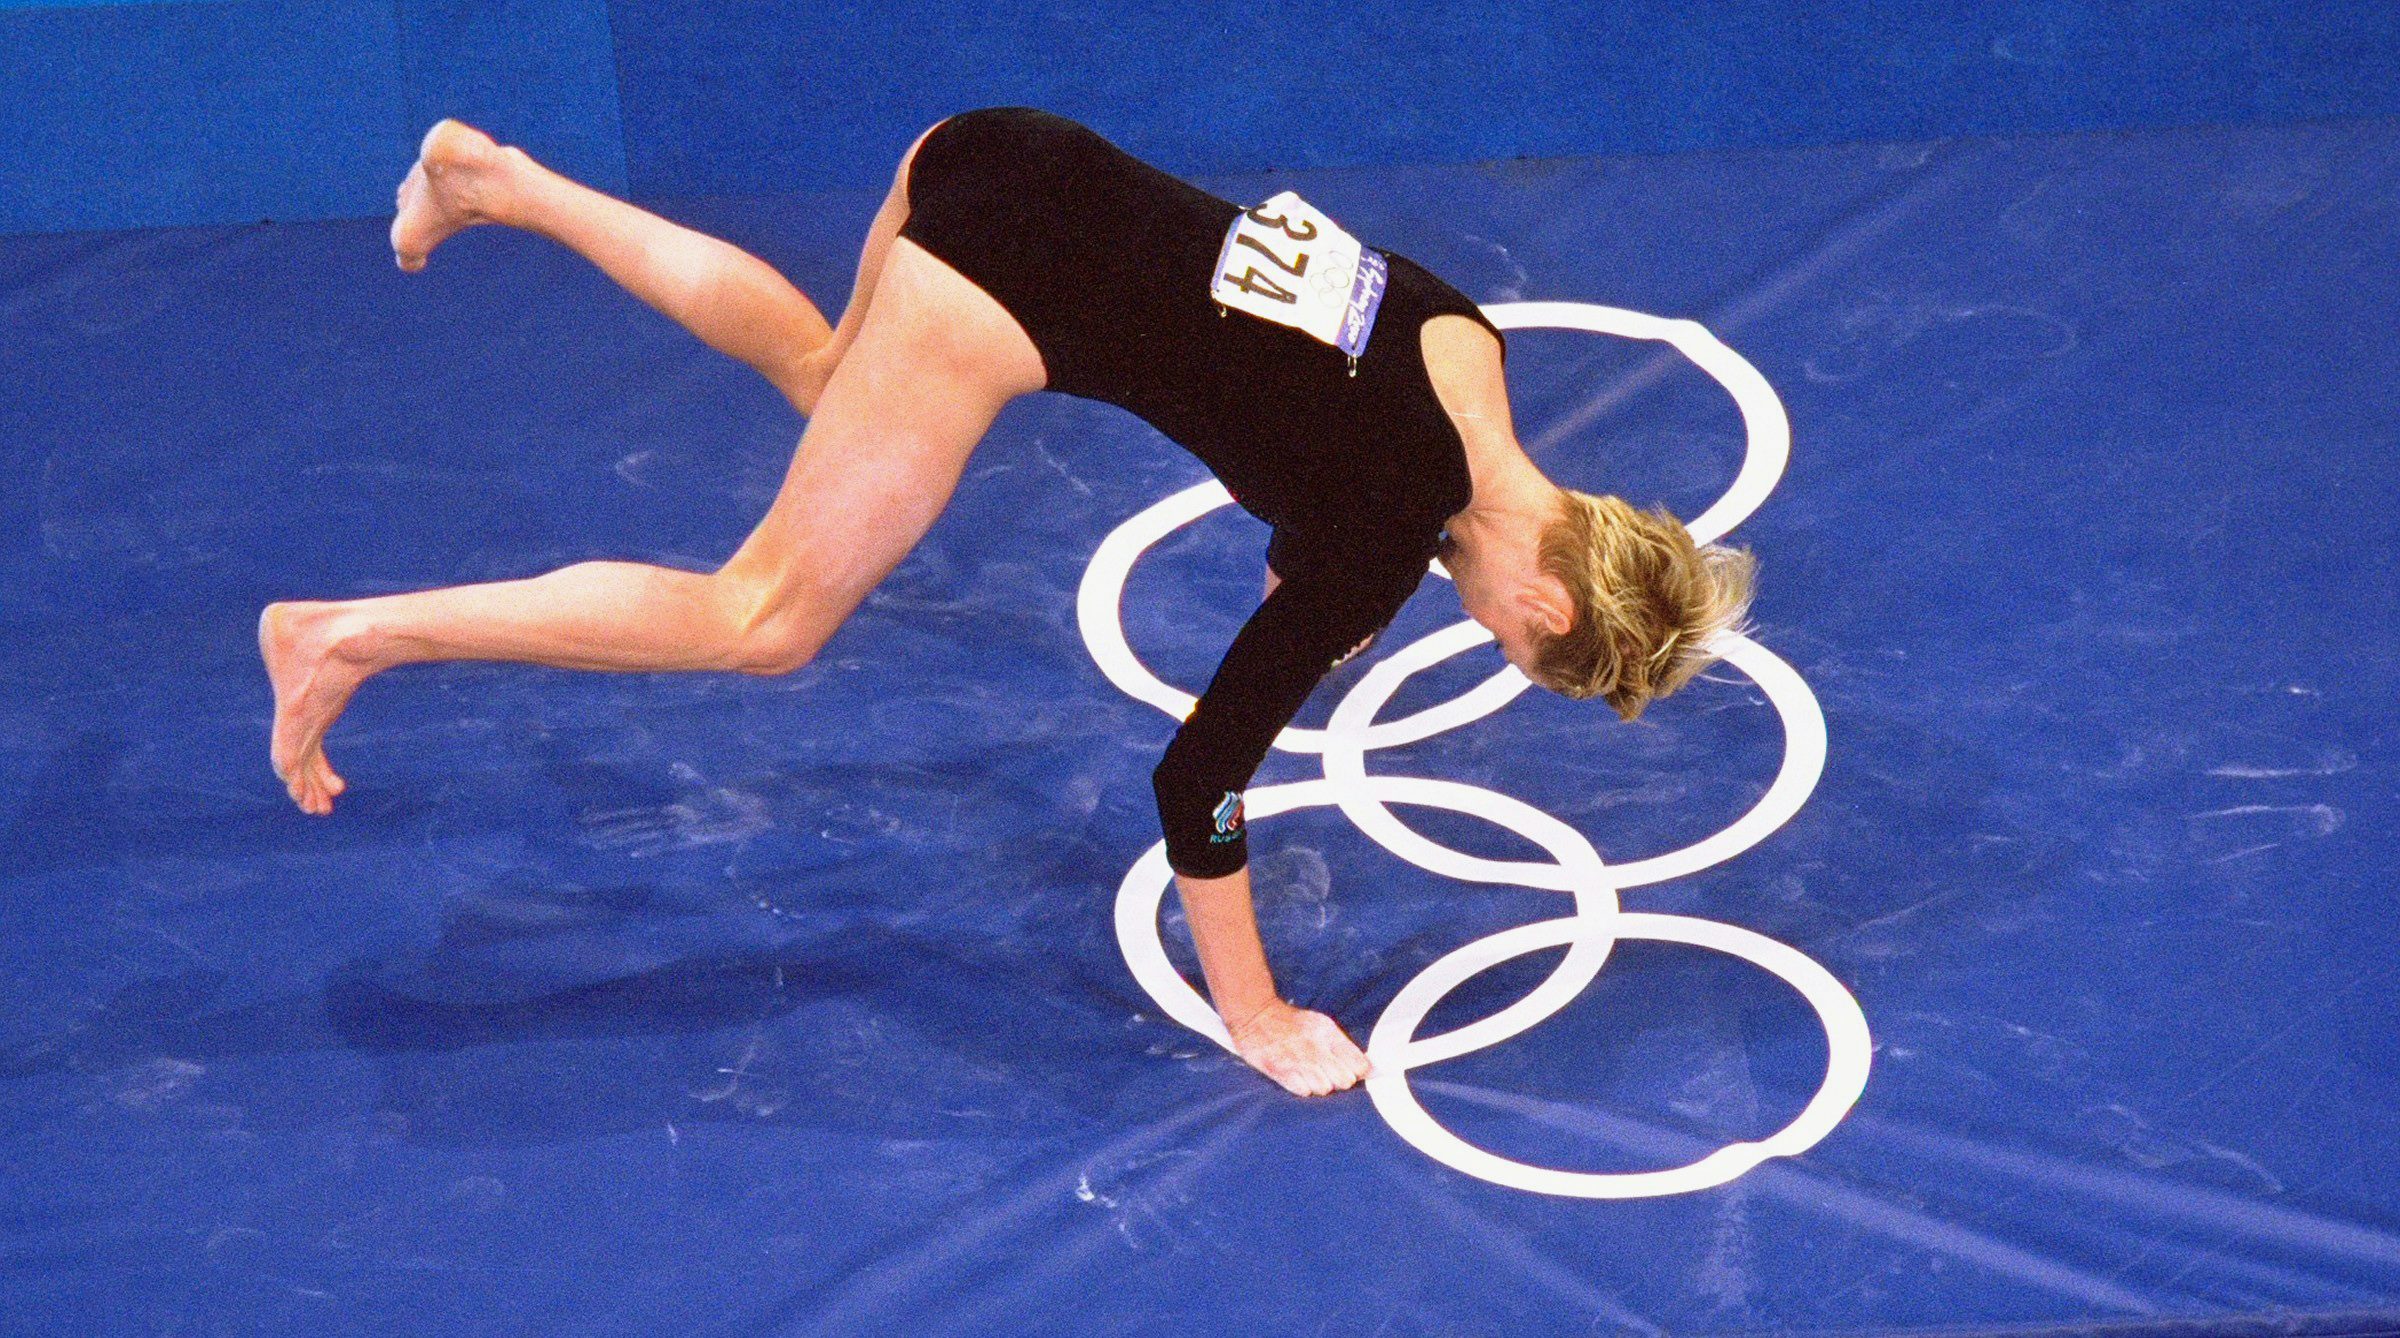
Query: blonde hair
{"x": 1648, "y": 602}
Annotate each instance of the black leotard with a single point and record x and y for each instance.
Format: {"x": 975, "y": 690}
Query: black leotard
{"x": 1106, "y": 263}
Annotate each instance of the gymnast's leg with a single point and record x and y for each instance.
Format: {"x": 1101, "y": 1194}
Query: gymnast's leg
{"x": 933, "y": 361}
{"x": 735, "y": 302}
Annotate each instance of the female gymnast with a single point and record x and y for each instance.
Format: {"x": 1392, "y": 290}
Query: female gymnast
{"x": 1343, "y": 394}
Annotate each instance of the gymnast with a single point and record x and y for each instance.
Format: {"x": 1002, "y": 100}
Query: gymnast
{"x": 1342, "y": 394}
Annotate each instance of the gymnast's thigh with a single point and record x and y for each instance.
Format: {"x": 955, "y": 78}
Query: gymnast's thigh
{"x": 935, "y": 360}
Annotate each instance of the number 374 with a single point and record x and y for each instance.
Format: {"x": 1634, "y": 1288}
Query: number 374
{"x": 1250, "y": 280}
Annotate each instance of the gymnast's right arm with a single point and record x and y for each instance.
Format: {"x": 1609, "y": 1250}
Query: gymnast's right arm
{"x": 1280, "y": 654}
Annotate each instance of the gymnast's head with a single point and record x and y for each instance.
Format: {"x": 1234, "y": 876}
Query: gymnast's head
{"x": 1609, "y": 601}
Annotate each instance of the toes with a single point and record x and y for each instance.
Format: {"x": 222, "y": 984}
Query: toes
{"x": 325, "y": 781}
{"x": 313, "y": 785}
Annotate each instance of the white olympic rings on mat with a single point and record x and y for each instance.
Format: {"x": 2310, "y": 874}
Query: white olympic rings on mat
{"x": 1597, "y": 924}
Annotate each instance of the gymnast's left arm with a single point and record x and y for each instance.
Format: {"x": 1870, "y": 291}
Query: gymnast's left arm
{"x": 1306, "y": 1051}
{"x": 1278, "y": 656}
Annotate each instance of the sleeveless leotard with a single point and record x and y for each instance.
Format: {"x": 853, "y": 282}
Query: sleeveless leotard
{"x": 1106, "y": 263}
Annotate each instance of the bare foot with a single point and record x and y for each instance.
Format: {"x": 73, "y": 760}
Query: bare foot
{"x": 458, "y": 172}
{"x": 313, "y": 680}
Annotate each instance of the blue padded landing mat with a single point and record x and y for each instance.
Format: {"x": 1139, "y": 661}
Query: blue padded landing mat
{"x": 2002, "y": 941}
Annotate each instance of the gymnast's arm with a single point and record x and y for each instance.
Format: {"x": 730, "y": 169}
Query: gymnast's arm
{"x": 1297, "y": 633}
{"x": 1306, "y": 1051}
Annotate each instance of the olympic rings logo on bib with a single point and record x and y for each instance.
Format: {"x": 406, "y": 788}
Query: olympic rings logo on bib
{"x": 1316, "y": 279}
{"x": 1597, "y": 923}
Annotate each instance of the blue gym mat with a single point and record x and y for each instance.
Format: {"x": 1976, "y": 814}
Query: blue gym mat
{"x": 729, "y": 1006}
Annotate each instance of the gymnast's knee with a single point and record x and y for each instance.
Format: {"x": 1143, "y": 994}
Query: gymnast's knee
{"x": 774, "y": 647}
{"x": 802, "y": 377}
{"x": 766, "y": 632}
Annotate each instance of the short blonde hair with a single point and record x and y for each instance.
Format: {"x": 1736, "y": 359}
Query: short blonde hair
{"x": 1648, "y": 602}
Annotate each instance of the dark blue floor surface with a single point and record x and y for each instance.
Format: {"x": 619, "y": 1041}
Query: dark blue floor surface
{"x": 732, "y": 1006}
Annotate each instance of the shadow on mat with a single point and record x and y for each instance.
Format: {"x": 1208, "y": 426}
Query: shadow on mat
{"x": 864, "y": 1026}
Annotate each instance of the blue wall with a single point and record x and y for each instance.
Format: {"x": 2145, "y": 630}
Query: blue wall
{"x": 125, "y": 115}
{"x": 190, "y": 112}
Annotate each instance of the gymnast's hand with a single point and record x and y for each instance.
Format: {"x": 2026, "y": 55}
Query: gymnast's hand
{"x": 1304, "y": 1051}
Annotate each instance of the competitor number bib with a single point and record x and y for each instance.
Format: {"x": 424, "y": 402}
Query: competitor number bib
{"x": 1285, "y": 262}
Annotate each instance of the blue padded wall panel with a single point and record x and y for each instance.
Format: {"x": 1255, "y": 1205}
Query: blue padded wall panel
{"x": 783, "y": 94}
{"x": 125, "y": 116}
{"x": 122, "y": 116}
{"x": 541, "y": 73}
